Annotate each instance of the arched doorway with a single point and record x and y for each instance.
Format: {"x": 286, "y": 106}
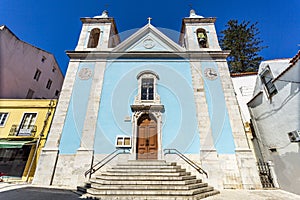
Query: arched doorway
{"x": 147, "y": 138}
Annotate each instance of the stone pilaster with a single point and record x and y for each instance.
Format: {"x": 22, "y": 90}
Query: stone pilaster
{"x": 84, "y": 155}
{"x": 236, "y": 123}
{"x": 204, "y": 124}
{"x": 48, "y": 158}
{"x": 90, "y": 122}
{"x": 244, "y": 157}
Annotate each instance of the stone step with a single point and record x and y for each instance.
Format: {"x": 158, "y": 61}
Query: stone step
{"x": 146, "y": 163}
{"x": 132, "y": 173}
{"x": 130, "y": 177}
{"x": 148, "y": 187}
{"x": 150, "y": 170}
{"x": 145, "y": 182}
{"x": 146, "y": 167}
{"x": 157, "y": 197}
{"x": 98, "y": 191}
{"x": 141, "y": 180}
{"x": 206, "y": 194}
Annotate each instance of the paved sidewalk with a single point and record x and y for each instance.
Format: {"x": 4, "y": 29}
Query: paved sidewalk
{"x": 30, "y": 192}
{"x": 254, "y": 195}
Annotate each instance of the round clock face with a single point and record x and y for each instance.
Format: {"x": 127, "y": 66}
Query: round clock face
{"x": 210, "y": 73}
{"x": 85, "y": 73}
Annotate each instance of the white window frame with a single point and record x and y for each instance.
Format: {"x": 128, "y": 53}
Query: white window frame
{"x": 20, "y": 124}
{"x": 1, "y": 118}
{"x": 147, "y": 74}
{"x": 266, "y": 88}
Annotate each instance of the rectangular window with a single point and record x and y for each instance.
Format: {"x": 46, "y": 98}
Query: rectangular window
{"x": 43, "y": 59}
{"x": 3, "y": 118}
{"x": 56, "y": 93}
{"x": 27, "y": 124}
{"x": 29, "y": 94}
{"x": 267, "y": 80}
{"x": 37, "y": 75}
{"x": 147, "y": 89}
{"x": 48, "y": 86}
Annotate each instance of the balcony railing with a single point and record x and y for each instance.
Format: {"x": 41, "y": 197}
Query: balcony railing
{"x": 28, "y": 131}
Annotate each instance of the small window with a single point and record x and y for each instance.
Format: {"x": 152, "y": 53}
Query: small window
{"x": 3, "y": 118}
{"x": 29, "y": 94}
{"x": 94, "y": 38}
{"x": 37, "y": 75}
{"x": 267, "y": 80}
{"x": 202, "y": 38}
{"x": 147, "y": 89}
{"x": 43, "y": 59}
{"x": 53, "y": 69}
{"x": 49, "y": 83}
{"x": 56, "y": 93}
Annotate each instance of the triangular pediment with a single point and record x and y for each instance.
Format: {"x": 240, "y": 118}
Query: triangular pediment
{"x": 149, "y": 39}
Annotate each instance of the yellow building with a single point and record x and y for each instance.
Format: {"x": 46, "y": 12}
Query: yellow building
{"x": 24, "y": 126}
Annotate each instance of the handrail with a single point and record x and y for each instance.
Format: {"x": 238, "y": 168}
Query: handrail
{"x": 108, "y": 158}
{"x": 186, "y": 159}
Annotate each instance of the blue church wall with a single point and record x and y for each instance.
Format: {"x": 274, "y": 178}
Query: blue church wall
{"x": 179, "y": 128}
{"x": 120, "y": 86}
{"x": 220, "y": 124}
{"x": 72, "y": 131}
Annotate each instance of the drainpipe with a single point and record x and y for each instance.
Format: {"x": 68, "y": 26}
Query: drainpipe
{"x": 39, "y": 139}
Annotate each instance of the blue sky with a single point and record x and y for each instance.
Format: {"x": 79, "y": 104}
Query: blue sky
{"x": 55, "y": 25}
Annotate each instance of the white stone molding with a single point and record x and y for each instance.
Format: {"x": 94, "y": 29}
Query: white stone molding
{"x": 135, "y": 118}
{"x": 152, "y": 75}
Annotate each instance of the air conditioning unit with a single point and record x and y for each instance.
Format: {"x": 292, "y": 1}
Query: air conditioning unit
{"x": 294, "y": 136}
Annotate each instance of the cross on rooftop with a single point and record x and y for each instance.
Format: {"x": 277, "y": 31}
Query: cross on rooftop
{"x": 149, "y": 20}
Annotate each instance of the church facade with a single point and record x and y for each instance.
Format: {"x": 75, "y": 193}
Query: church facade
{"x": 159, "y": 93}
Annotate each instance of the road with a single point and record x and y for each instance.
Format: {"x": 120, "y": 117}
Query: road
{"x": 34, "y": 193}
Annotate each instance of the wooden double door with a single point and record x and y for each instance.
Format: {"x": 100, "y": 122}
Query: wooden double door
{"x": 147, "y": 138}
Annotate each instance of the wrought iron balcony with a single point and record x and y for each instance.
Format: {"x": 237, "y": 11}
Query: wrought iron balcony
{"x": 28, "y": 131}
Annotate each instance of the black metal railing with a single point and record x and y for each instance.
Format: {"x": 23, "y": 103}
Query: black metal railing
{"x": 17, "y": 130}
{"x": 104, "y": 161}
{"x": 186, "y": 159}
{"x": 265, "y": 174}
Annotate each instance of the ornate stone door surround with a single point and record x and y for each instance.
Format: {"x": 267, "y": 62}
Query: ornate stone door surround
{"x": 154, "y": 111}
{"x": 147, "y": 102}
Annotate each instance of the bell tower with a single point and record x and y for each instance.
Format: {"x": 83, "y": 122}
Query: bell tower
{"x": 98, "y": 33}
{"x": 198, "y": 33}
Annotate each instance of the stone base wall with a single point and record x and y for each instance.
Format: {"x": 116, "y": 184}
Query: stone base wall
{"x": 225, "y": 171}
{"x": 70, "y": 169}
{"x": 44, "y": 172}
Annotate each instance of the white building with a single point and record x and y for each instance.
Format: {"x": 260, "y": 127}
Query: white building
{"x": 244, "y": 84}
{"x": 27, "y": 71}
{"x": 274, "y": 110}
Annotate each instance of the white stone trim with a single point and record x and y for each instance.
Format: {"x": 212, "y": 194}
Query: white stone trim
{"x": 135, "y": 118}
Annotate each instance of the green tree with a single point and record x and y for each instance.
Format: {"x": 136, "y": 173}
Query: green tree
{"x": 243, "y": 42}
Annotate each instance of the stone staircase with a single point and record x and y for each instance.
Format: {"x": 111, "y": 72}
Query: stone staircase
{"x": 141, "y": 180}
